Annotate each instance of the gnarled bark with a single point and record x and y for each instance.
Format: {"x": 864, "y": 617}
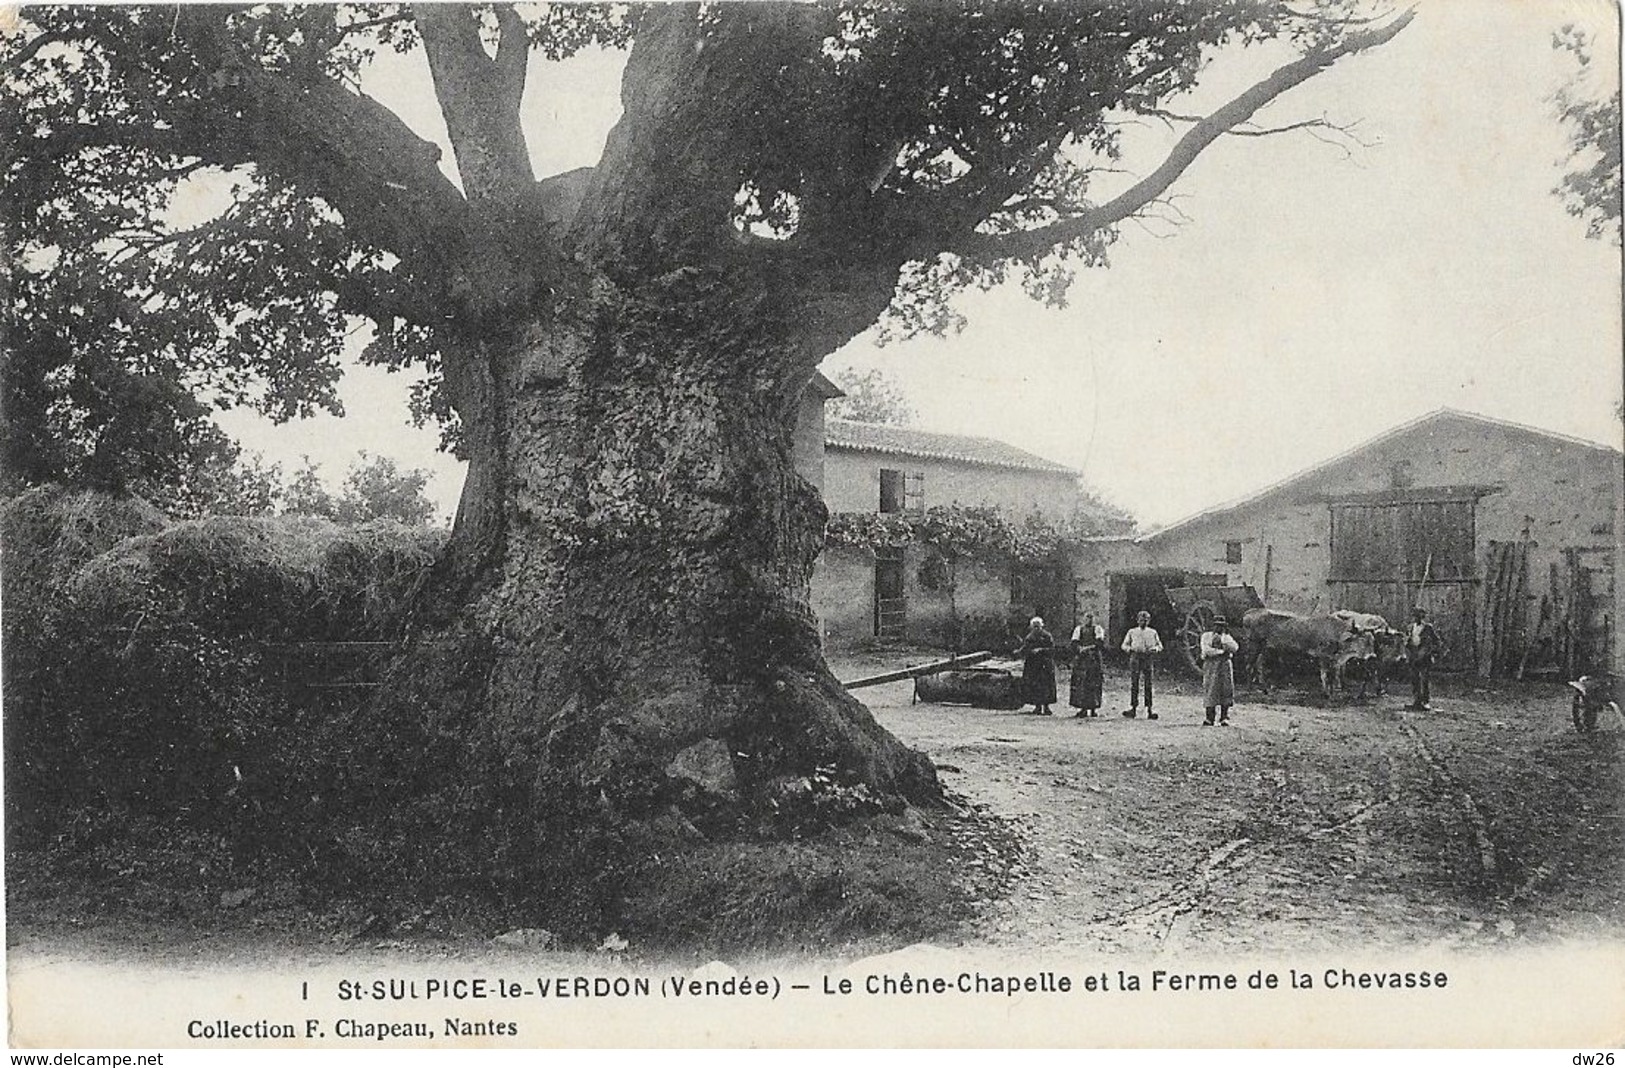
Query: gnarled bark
{"x": 634, "y": 625}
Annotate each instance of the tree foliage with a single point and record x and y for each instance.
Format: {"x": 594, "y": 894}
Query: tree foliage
{"x": 1590, "y": 189}
{"x": 232, "y": 483}
{"x": 235, "y": 484}
{"x": 871, "y": 397}
{"x": 374, "y": 488}
{"x": 921, "y": 148}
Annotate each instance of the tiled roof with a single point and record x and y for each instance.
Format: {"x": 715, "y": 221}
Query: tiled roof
{"x": 926, "y": 444}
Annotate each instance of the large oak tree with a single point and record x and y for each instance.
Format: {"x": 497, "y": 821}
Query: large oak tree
{"x": 618, "y": 352}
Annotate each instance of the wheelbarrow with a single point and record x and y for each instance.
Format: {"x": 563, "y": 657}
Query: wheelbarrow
{"x": 1592, "y": 695}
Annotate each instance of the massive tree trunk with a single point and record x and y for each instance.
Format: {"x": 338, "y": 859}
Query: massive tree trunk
{"x": 623, "y": 614}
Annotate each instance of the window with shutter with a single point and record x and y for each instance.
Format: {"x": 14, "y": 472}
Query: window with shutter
{"x": 891, "y": 490}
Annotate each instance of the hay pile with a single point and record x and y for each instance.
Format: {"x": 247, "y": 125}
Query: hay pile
{"x": 155, "y": 681}
{"x": 48, "y": 533}
{"x": 294, "y": 578}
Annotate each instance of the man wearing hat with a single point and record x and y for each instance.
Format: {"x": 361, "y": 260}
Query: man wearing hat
{"x": 1218, "y": 675}
{"x": 1422, "y": 647}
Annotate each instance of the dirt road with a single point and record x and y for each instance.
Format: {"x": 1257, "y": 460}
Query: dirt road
{"x": 1304, "y": 825}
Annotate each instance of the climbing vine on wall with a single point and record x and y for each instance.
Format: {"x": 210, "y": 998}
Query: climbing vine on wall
{"x": 959, "y": 531}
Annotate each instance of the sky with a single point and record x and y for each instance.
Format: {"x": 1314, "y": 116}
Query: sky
{"x": 1313, "y": 296}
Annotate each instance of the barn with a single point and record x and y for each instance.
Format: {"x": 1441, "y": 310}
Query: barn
{"x": 1507, "y": 534}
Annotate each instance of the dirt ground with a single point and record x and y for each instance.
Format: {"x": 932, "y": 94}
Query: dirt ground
{"x": 1487, "y": 823}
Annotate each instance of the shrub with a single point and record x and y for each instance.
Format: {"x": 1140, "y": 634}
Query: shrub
{"x": 47, "y": 534}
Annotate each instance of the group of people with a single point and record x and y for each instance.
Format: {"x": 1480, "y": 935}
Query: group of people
{"x": 1142, "y": 644}
{"x": 1217, "y": 651}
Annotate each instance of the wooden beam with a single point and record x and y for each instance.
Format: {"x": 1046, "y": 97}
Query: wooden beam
{"x": 921, "y": 669}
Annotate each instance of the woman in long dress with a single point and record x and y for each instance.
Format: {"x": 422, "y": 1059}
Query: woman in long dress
{"x": 1088, "y": 672}
{"x": 1037, "y": 652}
{"x": 1218, "y": 675}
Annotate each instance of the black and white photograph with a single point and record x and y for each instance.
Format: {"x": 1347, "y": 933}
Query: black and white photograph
{"x": 879, "y": 523}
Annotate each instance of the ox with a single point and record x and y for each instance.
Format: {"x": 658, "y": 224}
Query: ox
{"x": 1327, "y": 640}
{"x": 1388, "y": 646}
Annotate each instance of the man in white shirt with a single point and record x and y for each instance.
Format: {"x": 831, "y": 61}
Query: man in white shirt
{"x": 1142, "y": 644}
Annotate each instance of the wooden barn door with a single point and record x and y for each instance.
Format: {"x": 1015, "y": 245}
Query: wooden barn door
{"x": 1389, "y": 556}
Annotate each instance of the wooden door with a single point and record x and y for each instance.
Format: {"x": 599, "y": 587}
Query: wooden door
{"x": 1591, "y": 623}
{"x": 891, "y": 617}
{"x": 1388, "y": 557}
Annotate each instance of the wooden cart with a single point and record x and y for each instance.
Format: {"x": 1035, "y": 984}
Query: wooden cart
{"x": 1197, "y": 606}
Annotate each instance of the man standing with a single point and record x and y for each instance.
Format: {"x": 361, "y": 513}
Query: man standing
{"x": 1218, "y": 649}
{"x": 1422, "y": 647}
{"x": 1142, "y": 645}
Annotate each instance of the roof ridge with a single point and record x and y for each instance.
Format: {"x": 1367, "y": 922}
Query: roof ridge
{"x": 1360, "y": 447}
{"x": 916, "y": 441}
{"x": 904, "y": 428}
{"x": 1556, "y": 435}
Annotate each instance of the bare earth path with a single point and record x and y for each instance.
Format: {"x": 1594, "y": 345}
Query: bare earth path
{"x": 1486, "y": 823}
{"x": 1351, "y": 832}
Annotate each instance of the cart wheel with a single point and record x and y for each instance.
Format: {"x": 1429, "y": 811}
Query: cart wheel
{"x": 1584, "y": 714}
{"x": 1197, "y": 620}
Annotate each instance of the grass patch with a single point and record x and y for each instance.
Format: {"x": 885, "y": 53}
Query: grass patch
{"x": 860, "y": 888}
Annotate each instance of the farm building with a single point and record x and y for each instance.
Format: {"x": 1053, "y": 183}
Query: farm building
{"x": 870, "y": 467}
{"x": 1507, "y": 534}
{"x": 908, "y": 591}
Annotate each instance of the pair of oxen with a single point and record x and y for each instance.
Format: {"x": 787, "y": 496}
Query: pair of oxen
{"x": 1333, "y": 641}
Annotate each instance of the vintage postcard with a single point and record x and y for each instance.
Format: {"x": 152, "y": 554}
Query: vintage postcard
{"x": 885, "y": 524}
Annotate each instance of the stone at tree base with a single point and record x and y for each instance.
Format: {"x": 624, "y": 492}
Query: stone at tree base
{"x": 676, "y": 827}
{"x": 236, "y": 898}
{"x": 527, "y": 937}
{"x": 907, "y": 824}
{"x": 707, "y": 764}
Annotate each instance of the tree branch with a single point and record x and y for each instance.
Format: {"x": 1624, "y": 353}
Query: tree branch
{"x": 1238, "y": 111}
{"x": 513, "y": 53}
{"x": 373, "y": 24}
{"x": 479, "y": 99}
{"x": 29, "y": 50}
{"x": 1248, "y": 129}
{"x": 344, "y": 146}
